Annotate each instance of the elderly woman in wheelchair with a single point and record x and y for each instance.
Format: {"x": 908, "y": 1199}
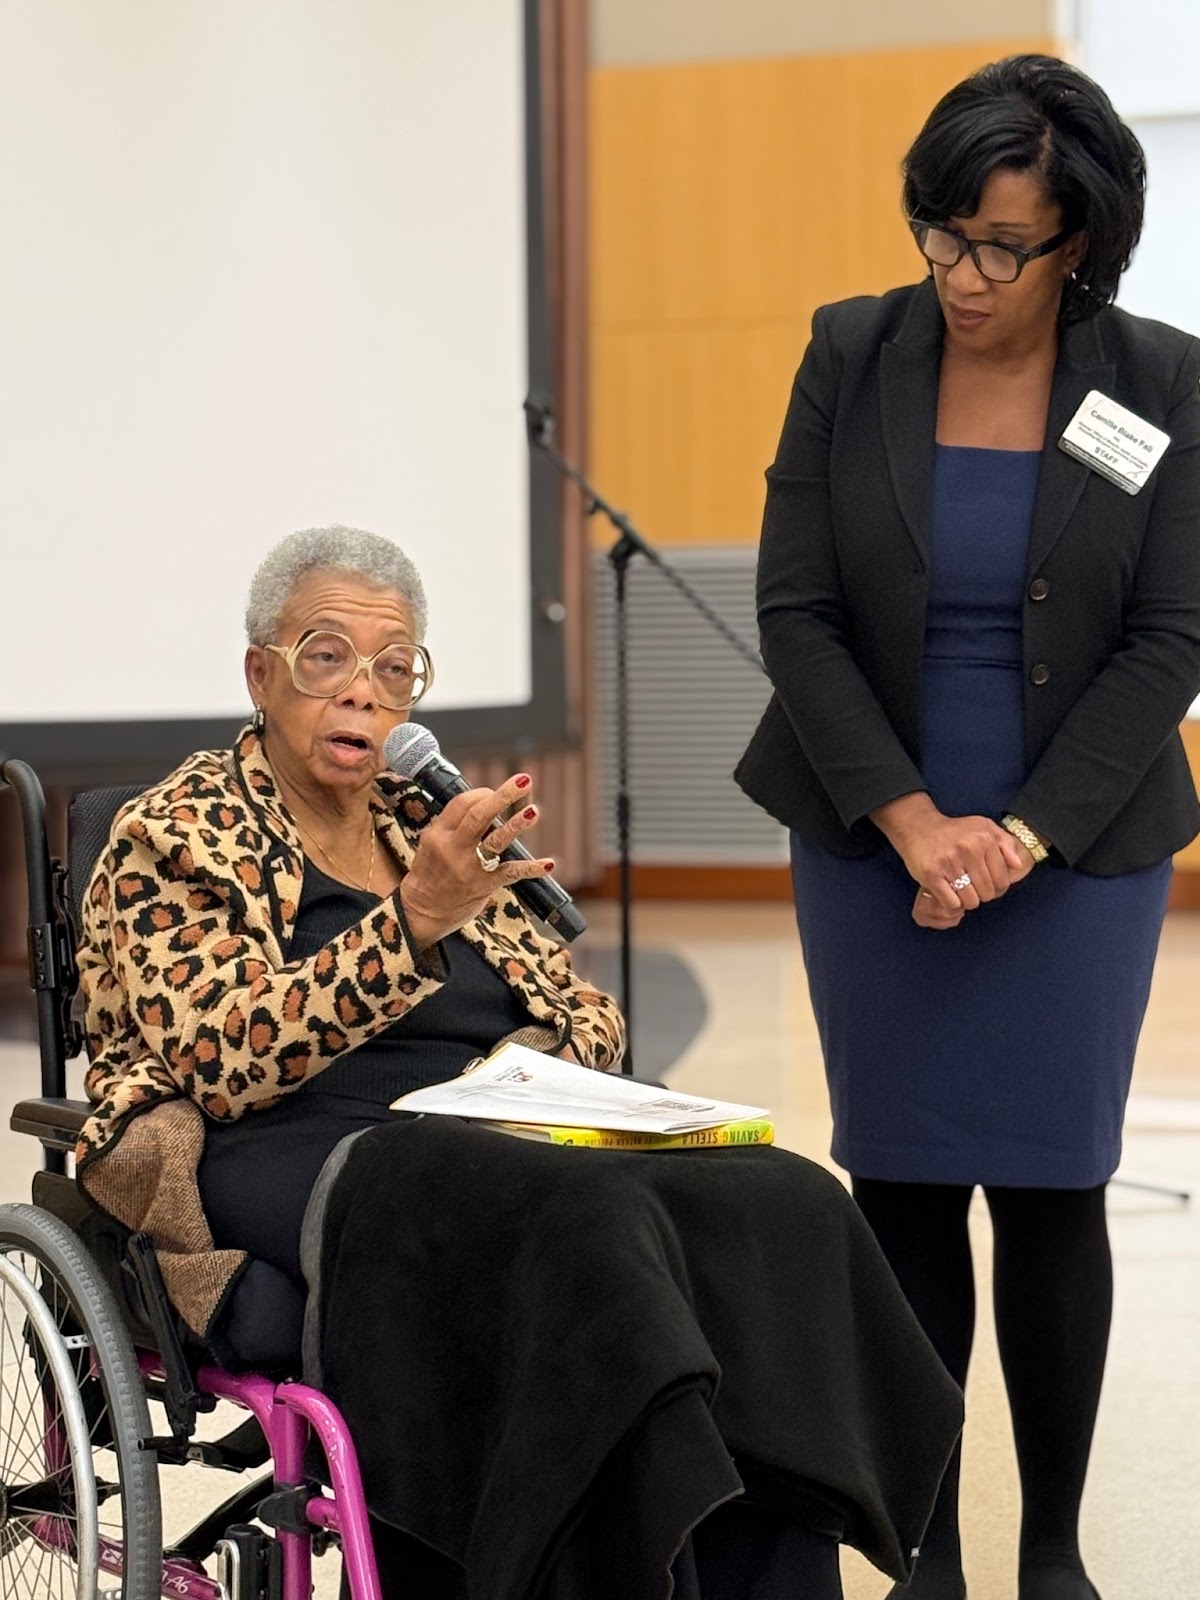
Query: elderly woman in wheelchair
{"x": 566, "y": 1373}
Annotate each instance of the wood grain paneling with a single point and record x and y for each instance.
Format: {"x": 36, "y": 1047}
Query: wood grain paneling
{"x": 1188, "y": 861}
{"x": 727, "y": 201}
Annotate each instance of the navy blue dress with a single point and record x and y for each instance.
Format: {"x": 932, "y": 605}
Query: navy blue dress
{"x": 998, "y": 1052}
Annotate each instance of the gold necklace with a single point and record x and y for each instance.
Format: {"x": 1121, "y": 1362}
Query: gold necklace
{"x": 336, "y": 864}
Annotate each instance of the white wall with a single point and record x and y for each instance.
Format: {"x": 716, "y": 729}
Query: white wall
{"x": 1145, "y": 55}
{"x": 1148, "y": 59}
{"x": 263, "y": 268}
{"x": 1163, "y": 281}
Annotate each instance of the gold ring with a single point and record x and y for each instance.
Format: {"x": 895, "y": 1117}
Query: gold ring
{"x": 489, "y": 863}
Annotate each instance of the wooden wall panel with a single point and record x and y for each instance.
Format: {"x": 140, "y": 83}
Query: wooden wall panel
{"x": 694, "y": 416}
{"x": 1188, "y": 861}
{"x": 727, "y": 201}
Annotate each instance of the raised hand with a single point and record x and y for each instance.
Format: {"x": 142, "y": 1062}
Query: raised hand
{"x": 451, "y": 879}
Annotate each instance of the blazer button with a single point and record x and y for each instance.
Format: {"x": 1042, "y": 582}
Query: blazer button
{"x": 1039, "y": 674}
{"x": 1039, "y": 589}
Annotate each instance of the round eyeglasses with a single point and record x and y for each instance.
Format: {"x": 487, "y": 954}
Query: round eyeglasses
{"x": 998, "y": 263}
{"x": 323, "y": 664}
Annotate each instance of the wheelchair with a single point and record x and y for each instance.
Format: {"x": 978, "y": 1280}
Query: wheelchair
{"x": 89, "y": 1341}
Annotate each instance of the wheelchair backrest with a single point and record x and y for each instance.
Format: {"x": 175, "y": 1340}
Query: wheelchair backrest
{"x": 88, "y": 822}
{"x": 55, "y": 905}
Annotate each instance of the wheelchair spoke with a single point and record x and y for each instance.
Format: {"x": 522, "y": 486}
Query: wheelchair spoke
{"x": 39, "y": 1532}
{"x": 35, "y": 1579}
{"x": 44, "y": 1566}
{"x": 72, "y": 1416}
{"x": 17, "y": 1363}
{"x": 15, "y": 1367}
{"x": 37, "y": 1446}
{"x": 24, "y": 1446}
{"x": 61, "y": 1566}
{"x": 32, "y": 1582}
{"x": 40, "y": 1554}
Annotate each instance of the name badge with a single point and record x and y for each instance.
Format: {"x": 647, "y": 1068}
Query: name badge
{"x": 1116, "y": 443}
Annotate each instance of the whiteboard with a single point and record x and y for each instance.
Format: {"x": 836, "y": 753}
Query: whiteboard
{"x": 265, "y": 269}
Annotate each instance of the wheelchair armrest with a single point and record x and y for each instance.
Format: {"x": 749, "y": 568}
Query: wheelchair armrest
{"x": 57, "y": 1123}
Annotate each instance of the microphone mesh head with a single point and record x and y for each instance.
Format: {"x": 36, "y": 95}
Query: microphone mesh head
{"x": 410, "y": 748}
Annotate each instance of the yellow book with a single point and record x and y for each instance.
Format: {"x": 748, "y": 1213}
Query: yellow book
{"x": 752, "y": 1130}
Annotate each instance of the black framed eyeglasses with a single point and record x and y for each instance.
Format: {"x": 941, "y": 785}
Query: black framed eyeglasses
{"x": 322, "y": 664}
{"x": 998, "y": 263}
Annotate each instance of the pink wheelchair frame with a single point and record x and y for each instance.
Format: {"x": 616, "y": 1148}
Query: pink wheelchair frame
{"x": 287, "y": 1413}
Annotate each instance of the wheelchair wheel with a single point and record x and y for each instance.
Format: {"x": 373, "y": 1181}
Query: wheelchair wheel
{"x": 79, "y": 1501}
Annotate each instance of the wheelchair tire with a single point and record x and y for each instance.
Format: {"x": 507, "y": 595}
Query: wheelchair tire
{"x": 69, "y": 1376}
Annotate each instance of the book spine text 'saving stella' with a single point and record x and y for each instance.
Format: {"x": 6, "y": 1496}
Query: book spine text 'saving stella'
{"x": 752, "y": 1130}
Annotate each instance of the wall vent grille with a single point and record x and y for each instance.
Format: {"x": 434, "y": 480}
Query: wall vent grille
{"x": 694, "y": 702}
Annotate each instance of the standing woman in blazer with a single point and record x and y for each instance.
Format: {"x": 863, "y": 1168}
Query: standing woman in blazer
{"x": 981, "y": 649}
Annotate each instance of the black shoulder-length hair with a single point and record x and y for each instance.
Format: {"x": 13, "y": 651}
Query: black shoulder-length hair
{"x": 1034, "y": 113}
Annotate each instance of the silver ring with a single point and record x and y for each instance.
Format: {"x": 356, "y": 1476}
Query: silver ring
{"x": 489, "y": 863}
{"x": 964, "y": 882}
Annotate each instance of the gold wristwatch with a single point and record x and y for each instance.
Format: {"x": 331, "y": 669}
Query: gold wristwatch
{"x": 1022, "y": 831}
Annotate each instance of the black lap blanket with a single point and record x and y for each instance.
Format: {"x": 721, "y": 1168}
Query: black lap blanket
{"x": 555, "y": 1361}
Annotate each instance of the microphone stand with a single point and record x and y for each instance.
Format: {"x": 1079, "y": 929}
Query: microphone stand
{"x": 539, "y": 423}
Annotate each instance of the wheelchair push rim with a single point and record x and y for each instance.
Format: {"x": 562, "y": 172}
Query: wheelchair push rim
{"x": 49, "y": 1508}
{"x": 72, "y": 1417}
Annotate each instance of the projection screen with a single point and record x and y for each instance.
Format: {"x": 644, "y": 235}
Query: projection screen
{"x": 269, "y": 266}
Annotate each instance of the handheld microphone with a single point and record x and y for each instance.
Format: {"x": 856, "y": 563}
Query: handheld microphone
{"x": 412, "y": 752}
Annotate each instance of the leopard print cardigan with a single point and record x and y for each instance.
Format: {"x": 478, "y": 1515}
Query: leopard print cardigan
{"x": 190, "y": 996}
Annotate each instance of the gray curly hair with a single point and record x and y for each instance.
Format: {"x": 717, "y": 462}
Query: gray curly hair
{"x": 337, "y": 549}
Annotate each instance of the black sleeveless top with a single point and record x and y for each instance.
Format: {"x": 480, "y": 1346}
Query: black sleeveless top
{"x": 463, "y": 1019}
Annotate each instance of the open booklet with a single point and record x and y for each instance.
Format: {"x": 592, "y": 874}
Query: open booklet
{"x": 516, "y": 1084}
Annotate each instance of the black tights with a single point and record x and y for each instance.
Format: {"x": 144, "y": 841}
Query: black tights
{"x": 1052, "y": 1291}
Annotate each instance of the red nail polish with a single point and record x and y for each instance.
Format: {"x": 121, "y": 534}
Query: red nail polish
{"x": 529, "y": 813}
{"x": 524, "y": 781}
{"x": 549, "y": 866}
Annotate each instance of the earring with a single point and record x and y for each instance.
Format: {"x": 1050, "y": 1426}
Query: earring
{"x": 258, "y": 721}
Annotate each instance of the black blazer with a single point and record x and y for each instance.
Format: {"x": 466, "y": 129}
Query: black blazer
{"x": 1112, "y": 609}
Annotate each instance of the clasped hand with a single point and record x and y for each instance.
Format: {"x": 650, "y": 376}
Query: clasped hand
{"x": 958, "y": 863}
